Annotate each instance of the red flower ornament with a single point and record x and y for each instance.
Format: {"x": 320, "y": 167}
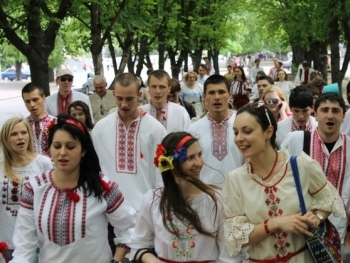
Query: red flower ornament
{"x": 73, "y": 196}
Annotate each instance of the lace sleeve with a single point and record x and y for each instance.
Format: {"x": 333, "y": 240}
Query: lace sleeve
{"x": 237, "y": 231}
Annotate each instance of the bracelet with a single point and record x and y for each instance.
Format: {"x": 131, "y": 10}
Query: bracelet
{"x": 143, "y": 253}
{"x": 267, "y": 230}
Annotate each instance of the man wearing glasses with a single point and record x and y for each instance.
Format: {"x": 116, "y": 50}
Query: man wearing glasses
{"x": 102, "y": 101}
{"x": 58, "y": 103}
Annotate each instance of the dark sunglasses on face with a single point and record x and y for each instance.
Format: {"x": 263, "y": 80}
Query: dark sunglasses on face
{"x": 63, "y": 79}
{"x": 271, "y": 101}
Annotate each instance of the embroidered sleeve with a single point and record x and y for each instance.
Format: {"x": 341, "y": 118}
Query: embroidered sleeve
{"x": 113, "y": 197}
{"x": 237, "y": 228}
{"x": 325, "y": 195}
{"x": 27, "y": 196}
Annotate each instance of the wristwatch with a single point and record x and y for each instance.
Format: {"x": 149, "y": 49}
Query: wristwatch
{"x": 319, "y": 216}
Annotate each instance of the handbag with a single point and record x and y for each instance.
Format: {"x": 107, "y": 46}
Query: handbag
{"x": 324, "y": 246}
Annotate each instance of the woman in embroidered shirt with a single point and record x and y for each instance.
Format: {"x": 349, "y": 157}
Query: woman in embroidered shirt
{"x": 240, "y": 89}
{"x": 260, "y": 202}
{"x": 66, "y": 210}
{"x": 19, "y": 164}
{"x": 80, "y": 110}
{"x": 183, "y": 221}
{"x": 276, "y": 102}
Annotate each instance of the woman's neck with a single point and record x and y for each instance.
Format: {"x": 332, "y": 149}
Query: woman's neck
{"x": 22, "y": 159}
{"x": 63, "y": 179}
{"x": 189, "y": 191}
{"x": 262, "y": 163}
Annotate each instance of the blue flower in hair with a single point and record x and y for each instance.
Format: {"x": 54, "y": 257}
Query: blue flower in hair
{"x": 181, "y": 155}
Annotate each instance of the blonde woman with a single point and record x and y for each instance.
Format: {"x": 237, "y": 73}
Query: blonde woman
{"x": 192, "y": 92}
{"x": 19, "y": 164}
{"x": 276, "y": 102}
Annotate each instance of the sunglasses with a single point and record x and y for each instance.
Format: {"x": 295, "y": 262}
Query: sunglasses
{"x": 271, "y": 101}
{"x": 63, "y": 79}
{"x": 258, "y": 105}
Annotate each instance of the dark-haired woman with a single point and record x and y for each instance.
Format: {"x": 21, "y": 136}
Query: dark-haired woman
{"x": 66, "y": 210}
{"x": 240, "y": 89}
{"x": 260, "y": 201}
{"x": 183, "y": 221}
{"x": 80, "y": 110}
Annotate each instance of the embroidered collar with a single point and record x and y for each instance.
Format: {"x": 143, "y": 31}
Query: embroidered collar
{"x": 223, "y": 121}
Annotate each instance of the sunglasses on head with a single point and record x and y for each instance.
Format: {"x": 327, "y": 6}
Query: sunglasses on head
{"x": 63, "y": 79}
{"x": 271, "y": 101}
{"x": 258, "y": 105}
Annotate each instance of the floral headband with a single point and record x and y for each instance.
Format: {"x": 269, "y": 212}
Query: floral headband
{"x": 53, "y": 122}
{"x": 165, "y": 163}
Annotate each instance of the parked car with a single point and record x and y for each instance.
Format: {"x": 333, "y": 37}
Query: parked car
{"x": 10, "y": 74}
{"x": 287, "y": 64}
{"x": 87, "y": 87}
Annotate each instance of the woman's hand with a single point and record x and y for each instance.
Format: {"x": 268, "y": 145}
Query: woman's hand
{"x": 314, "y": 221}
{"x": 296, "y": 224}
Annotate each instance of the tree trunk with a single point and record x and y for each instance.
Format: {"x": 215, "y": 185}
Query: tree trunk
{"x": 149, "y": 64}
{"x": 96, "y": 40}
{"x": 298, "y": 55}
{"x": 39, "y": 70}
{"x": 141, "y": 54}
{"x": 113, "y": 56}
{"x": 18, "y": 65}
{"x": 51, "y": 75}
{"x": 196, "y": 59}
{"x": 215, "y": 54}
{"x": 334, "y": 35}
{"x": 176, "y": 65}
{"x": 161, "y": 51}
{"x": 318, "y": 53}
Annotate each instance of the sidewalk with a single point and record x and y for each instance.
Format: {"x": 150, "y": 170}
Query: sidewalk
{"x": 12, "y": 89}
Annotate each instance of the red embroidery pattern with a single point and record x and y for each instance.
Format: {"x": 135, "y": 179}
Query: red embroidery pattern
{"x": 163, "y": 116}
{"x": 40, "y": 144}
{"x": 219, "y": 137}
{"x": 273, "y": 201}
{"x": 11, "y": 194}
{"x": 333, "y": 165}
{"x": 295, "y": 126}
{"x": 126, "y": 147}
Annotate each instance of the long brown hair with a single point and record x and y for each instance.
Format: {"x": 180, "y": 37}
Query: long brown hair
{"x": 172, "y": 200}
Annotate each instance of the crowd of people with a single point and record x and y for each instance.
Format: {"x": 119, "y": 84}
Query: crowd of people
{"x": 169, "y": 171}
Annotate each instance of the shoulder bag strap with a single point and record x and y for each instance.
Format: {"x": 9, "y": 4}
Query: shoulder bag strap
{"x": 293, "y": 162}
{"x": 306, "y": 146}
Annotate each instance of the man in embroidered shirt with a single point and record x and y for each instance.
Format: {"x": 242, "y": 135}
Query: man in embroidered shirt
{"x": 34, "y": 100}
{"x": 58, "y": 103}
{"x": 171, "y": 115}
{"x": 203, "y": 74}
{"x": 215, "y": 133}
{"x": 126, "y": 142}
{"x": 331, "y": 149}
{"x": 300, "y": 103}
{"x": 102, "y": 101}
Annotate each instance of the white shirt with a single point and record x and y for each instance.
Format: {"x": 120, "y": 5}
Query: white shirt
{"x": 131, "y": 165}
{"x": 286, "y": 87}
{"x": 11, "y": 195}
{"x": 219, "y": 152}
{"x": 285, "y": 126}
{"x": 194, "y": 96}
{"x": 192, "y": 246}
{"x": 67, "y": 230}
{"x": 294, "y": 144}
{"x": 51, "y": 104}
{"x": 174, "y": 117}
{"x": 253, "y": 72}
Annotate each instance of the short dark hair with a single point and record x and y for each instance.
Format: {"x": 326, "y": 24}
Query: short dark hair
{"x": 127, "y": 79}
{"x": 300, "y": 97}
{"x": 257, "y": 60}
{"x": 305, "y": 64}
{"x": 259, "y": 112}
{"x": 269, "y": 79}
{"x": 30, "y": 87}
{"x": 89, "y": 177}
{"x": 216, "y": 79}
{"x": 158, "y": 74}
{"x": 203, "y": 66}
{"x": 175, "y": 86}
{"x": 331, "y": 96}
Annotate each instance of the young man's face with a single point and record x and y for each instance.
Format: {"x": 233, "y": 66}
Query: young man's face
{"x": 329, "y": 116}
{"x": 35, "y": 103}
{"x": 301, "y": 116}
